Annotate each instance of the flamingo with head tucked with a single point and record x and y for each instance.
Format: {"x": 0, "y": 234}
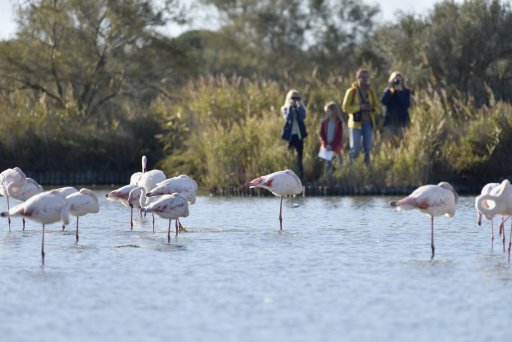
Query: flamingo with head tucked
{"x": 9, "y": 179}
{"x": 182, "y": 184}
{"x": 46, "y": 207}
{"x": 25, "y": 191}
{"x": 81, "y": 203}
{"x": 121, "y": 195}
{"x": 280, "y": 183}
{"x": 486, "y": 190}
{"x": 498, "y": 202}
{"x": 433, "y": 200}
{"x": 170, "y": 207}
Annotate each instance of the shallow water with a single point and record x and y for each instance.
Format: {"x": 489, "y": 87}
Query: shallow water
{"x": 343, "y": 269}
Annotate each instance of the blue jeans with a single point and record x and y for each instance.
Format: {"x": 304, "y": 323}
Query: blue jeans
{"x": 366, "y": 133}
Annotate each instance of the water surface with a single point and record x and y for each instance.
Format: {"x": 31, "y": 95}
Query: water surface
{"x": 343, "y": 269}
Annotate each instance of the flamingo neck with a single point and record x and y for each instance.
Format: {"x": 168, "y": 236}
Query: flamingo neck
{"x": 488, "y": 212}
{"x": 143, "y": 199}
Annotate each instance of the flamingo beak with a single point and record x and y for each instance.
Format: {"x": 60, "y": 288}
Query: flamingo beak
{"x": 479, "y": 220}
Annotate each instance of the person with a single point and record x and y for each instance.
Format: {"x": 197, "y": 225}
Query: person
{"x": 361, "y": 104}
{"x": 294, "y": 130}
{"x": 397, "y": 99}
{"x": 331, "y": 133}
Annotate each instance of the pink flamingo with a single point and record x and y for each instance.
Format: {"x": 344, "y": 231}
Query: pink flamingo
{"x": 280, "y": 183}
{"x": 81, "y": 203}
{"x": 487, "y": 190}
{"x": 498, "y": 202}
{"x": 170, "y": 207}
{"x": 24, "y": 192}
{"x": 121, "y": 195}
{"x": 433, "y": 200}
{"x": 10, "y": 178}
{"x": 182, "y": 184}
{"x": 45, "y": 208}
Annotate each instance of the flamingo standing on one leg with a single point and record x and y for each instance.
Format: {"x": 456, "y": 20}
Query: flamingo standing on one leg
{"x": 46, "y": 207}
{"x": 487, "y": 190}
{"x": 66, "y": 191}
{"x": 498, "y": 202}
{"x": 433, "y": 200}
{"x": 24, "y": 192}
{"x": 81, "y": 203}
{"x": 10, "y": 178}
{"x": 280, "y": 183}
{"x": 121, "y": 195}
{"x": 170, "y": 207}
{"x": 182, "y": 184}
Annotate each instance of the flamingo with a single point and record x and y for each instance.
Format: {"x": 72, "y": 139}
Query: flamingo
{"x": 487, "y": 190}
{"x": 149, "y": 180}
{"x": 280, "y": 183}
{"x": 24, "y": 192}
{"x": 135, "y": 200}
{"x": 498, "y": 202}
{"x": 433, "y": 200}
{"x": 10, "y": 178}
{"x": 81, "y": 203}
{"x": 182, "y": 184}
{"x": 121, "y": 195}
{"x": 46, "y": 207}
{"x": 66, "y": 191}
{"x": 134, "y": 179}
{"x": 170, "y": 207}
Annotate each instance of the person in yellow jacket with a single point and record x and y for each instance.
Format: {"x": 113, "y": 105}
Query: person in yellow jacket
{"x": 361, "y": 104}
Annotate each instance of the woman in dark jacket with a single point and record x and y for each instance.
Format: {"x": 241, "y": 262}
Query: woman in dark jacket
{"x": 397, "y": 99}
{"x": 294, "y": 130}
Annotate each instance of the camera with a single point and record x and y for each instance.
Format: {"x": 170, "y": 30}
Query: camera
{"x": 396, "y": 81}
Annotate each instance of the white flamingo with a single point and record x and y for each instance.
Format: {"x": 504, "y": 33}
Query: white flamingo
{"x": 121, "y": 195}
{"x": 24, "y": 192}
{"x": 11, "y": 178}
{"x": 486, "y": 190}
{"x": 182, "y": 184}
{"x": 280, "y": 183}
{"x": 498, "y": 202}
{"x": 81, "y": 203}
{"x": 170, "y": 207}
{"x": 136, "y": 200}
{"x": 149, "y": 180}
{"x": 45, "y": 208}
{"x": 433, "y": 200}
{"x": 134, "y": 179}
{"x": 66, "y": 191}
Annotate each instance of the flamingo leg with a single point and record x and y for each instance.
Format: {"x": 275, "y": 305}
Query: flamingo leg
{"x": 153, "y": 222}
{"x": 492, "y": 236}
{"x": 42, "y": 247}
{"x": 509, "y": 242}
{"x": 169, "y": 232}
{"x": 76, "y": 233}
{"x": 503, "y": 232}
{"x": 179, "y": 223}
{"x": 281, "y": 214}
{"x": 177, "y": 228}
{"x": 8, "y": 217}
{"x": 23, "y": 220}
{"x": 432, "y": 238}
{"x": 63, "y": 227}
{"x": 131, "y": 218}
{"x": 140, "y": 213}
